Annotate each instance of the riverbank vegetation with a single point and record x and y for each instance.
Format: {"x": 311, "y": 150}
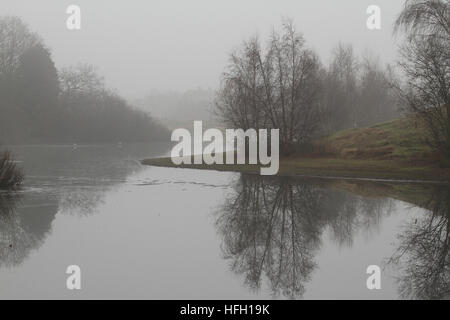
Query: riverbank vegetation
{"x": 426, "y": 66}
{"x": 282, "y": 84}
{"x": 335, "y": 120}
{"x": 285, "y": 86}
{"x": 391, "y": 150}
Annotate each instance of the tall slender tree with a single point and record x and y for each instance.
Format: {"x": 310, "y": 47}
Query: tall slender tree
{"x": 426, "y": 63}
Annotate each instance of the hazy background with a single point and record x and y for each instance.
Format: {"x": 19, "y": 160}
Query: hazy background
{"x": 146, "y": 46}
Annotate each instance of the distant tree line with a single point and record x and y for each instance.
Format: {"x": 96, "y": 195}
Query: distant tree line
{"x": 187, "y": 106}
{"x": 357, "y": 92}
{"x": 39, "y": 103}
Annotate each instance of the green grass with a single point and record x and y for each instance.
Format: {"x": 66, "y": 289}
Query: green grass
{"x": 400, "y": 140}
{"x": 392, "y": 150}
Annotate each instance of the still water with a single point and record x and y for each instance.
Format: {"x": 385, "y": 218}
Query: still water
{"x": 163, "y": 233}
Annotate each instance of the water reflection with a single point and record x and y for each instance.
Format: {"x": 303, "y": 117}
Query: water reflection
{"x": 272, "y": 228}
{"x": 274, "y": 231}
{"x": 60, "y": 179}
{"x": 423, "y": 251}
{"x": 81, "y": 202}
{"x": 8, "y": 202}
{"x": 15, "y": 241}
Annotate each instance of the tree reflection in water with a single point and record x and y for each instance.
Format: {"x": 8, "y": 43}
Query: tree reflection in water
{"x": 25, "y": 222}
{"x": 423, "y": 251}
{"x": 81, "y": 202}
{"x": 15, "y": 241}
{"x": 62, "y": 180}
{"x": 272, "y": 227}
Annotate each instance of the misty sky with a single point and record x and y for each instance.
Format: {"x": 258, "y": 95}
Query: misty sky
{"x": 145, "y": 45}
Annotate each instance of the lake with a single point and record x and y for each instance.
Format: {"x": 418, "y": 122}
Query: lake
{"x": 161, "y": 233}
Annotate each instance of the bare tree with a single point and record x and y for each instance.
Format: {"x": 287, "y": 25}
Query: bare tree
{"x": 426, "y": 63}
{"x": 425, "y": 17}
{"x": 427, "y": 68}
{"x": 295, "y": 77}
{"x": 241, "y": 95}
{"x": 339, "y": 108}
{"x": 276, "y": 88}
{"x": 377, "y": 101}
{"x": 357, "y": 92}
{"x": 81, "y": 79}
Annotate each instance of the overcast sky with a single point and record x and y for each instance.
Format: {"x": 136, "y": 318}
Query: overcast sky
{"x": 144, "y": 45}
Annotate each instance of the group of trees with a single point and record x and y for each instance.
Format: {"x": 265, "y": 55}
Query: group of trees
{"x": 286, "y": 87}
{"x": 276, "y": 88}
{"x": 105, "y": 115}
{"x": 38, "y": 103}
{"x": 356, "y": 92}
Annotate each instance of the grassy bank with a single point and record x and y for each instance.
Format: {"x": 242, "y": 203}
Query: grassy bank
{"x": 330, "y": 167}
{"x": 399, "y": 140}
{"x": 393, "y": 150}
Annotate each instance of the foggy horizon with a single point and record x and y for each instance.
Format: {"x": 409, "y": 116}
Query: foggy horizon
{"x": 224, "y": 150}
{"x": 155, "y": 46}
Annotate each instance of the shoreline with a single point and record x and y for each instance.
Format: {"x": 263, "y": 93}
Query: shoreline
{"x": 330, "y": 168}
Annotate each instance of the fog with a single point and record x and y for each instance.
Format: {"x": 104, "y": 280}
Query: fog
{"x": 143, "y": 46}
{"x": 97, "y": 125}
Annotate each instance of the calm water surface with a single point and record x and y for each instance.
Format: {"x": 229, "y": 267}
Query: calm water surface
{"x": 157, "y": 233}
